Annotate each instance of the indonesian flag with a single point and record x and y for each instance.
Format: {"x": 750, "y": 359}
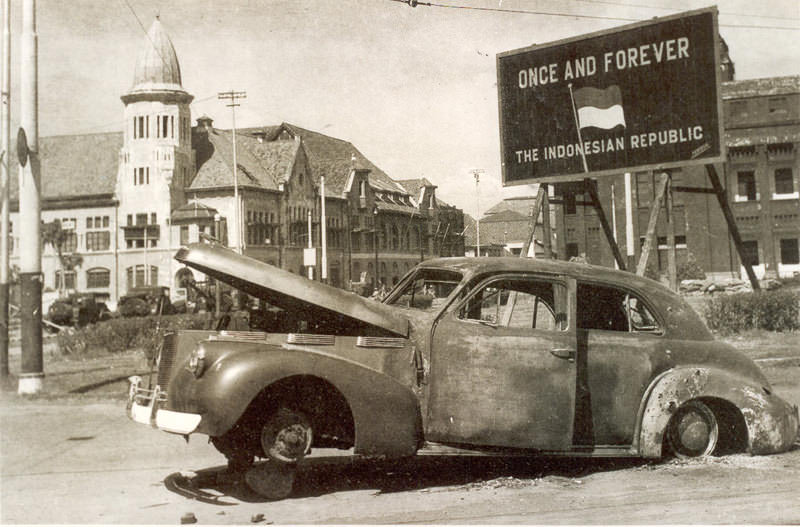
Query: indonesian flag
{"x": 600, "y": 108}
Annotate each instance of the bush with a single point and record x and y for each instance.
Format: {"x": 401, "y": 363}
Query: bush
{"x": 121, "y": 334}
{"x": 770, "y": 310}
{"x": 690, "y": 269}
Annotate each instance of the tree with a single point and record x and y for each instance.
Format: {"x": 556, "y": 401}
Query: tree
{"x": 56, "y": 237}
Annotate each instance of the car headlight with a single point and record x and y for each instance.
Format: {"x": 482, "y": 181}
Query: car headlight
{"x": 197, "y": 361}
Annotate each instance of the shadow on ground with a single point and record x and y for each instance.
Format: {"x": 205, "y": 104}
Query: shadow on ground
{"x": 327, "y": 475}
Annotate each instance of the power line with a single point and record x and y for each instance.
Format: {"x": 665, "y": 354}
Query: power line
{"x": 621, "y": 4}
{"x": 415, "y": 3}
{"x": 146, "y": 33}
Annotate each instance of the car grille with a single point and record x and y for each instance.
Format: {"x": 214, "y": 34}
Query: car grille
{"x": 166, "y": 359}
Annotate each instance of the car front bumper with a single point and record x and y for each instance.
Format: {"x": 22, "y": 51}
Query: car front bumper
{"x": 144, "y": 406}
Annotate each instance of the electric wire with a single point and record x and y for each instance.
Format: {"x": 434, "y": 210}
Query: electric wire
{"x": 569, "y": 15}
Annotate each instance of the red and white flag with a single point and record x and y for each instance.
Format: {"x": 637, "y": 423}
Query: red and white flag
{"x": 599, "y": 107}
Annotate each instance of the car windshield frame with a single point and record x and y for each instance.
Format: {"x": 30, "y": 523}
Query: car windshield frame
{"x": 400, "y": 290}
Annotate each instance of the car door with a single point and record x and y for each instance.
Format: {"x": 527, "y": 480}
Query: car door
{"x": 503, "y": 365}
{"x": 619, "y": 343}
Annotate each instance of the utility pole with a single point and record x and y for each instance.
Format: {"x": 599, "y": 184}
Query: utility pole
{"x": 233, "y": 96}
{"x": 5, "y": 130}
{"x": 32, "y": 367}
{"x": 476, "y": 173}
{"x": 323, "y": 233}
{"x": 310, "y": 267}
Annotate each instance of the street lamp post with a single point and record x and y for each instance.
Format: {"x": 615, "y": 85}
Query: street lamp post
{"x": 375, "y": 240}
{"x": 477, "y": 175}
{"x": 217, "y": 291}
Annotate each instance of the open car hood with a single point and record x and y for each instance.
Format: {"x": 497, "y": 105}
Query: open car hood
{"x": 296, "y": 294}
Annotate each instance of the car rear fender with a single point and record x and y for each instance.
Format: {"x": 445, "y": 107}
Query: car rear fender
{"x": 771, "y": 422}
{"x": 385, "y": 413}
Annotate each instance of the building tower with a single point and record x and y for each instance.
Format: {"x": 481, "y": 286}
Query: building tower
{"x": 155, "y": 161}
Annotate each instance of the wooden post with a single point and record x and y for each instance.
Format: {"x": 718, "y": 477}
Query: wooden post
{"x": 540, "y": 197}
{"x": 589, "y": 186}
{"x": 546, "y": 230}
{"x": 733, "y": 230}
{"x": 672, "y": 270}
{"x": 655, "y": 208}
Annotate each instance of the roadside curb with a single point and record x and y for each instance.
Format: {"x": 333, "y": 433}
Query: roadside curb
{"x": 779, "y": 361}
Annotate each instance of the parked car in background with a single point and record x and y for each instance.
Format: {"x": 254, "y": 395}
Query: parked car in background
{"x": 145, "y": 300}
{"x": 464, "y": 355}
{"x": 78, "y": 310}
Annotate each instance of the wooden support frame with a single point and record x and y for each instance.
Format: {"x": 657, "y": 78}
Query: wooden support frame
{"x": 649, "y": 237}
{"x": 547, "y": 232}
{"x": 672, "y": 269}
{"x": 733, "y": 230}
{"x": 589, "y": 186}
{"x": 541, "y": 196}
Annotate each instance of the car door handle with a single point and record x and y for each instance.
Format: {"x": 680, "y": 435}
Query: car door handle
{"x": 563, "y": 353}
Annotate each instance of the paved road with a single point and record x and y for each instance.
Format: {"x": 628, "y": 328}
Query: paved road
{"x": 70, "y": 462}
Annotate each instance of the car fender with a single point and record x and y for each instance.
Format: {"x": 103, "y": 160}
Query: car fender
{"x": 771, "y": 422}
{"x": 386, "y": 413}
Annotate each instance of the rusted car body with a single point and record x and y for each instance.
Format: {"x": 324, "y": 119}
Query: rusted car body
{"x": 494, "y": 355}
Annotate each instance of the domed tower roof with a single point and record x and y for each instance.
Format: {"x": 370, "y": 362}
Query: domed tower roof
{"x": 157, "y": 71}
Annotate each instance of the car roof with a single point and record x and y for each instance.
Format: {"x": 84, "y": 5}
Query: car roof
{"x": 537, "y": 265}
{"x": 676, "y": 313}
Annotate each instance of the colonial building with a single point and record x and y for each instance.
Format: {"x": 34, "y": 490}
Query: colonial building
{"x": 128, "y": 200}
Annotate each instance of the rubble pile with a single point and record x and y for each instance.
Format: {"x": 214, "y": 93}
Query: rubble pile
{"x": 725, "y": 285}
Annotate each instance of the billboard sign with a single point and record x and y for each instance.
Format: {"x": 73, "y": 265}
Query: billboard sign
{"x": 639, "y": 97}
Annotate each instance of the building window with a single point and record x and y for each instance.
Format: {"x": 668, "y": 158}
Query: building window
{"x": 164, "y": 127}
{"x": 70, "y": 242}
{"x": 750, "y": 252}
{"x": 130, "y": 220}
{"x": 153, "y": 219}
{"x": 784, "y": 183}
{"x": 98, "y": 277}
{"x": 746, "y": 186}
{"x": 778, "y": 105}
{"x": 569, "y": 203}
{"x": 572, "y": 250}
{"x": 69, "y": 280}
{"x": 790, "y": 255}
{"x": 98, "y": 240}
{"x": 738, "y": 109}
{"x": 141, "y": 219}
{"x": 136, "y": 277}
{"x": 141, "y": 176}
{"x": 184, "y": 234}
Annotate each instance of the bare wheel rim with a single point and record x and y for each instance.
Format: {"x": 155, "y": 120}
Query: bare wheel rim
{"x": 287, "y": 436}
{"x": 693, "y": 431}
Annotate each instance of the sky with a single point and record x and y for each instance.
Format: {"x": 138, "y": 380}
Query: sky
{"x": 414, "y": 89}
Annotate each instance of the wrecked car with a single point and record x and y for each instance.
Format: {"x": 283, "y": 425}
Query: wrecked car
{"x": 465, "y": 355}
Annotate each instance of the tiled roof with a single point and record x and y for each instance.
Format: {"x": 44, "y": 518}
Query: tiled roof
{"x": 260, "y": 164}
{"x": 504, "y": 216}
{"x": 192, "y": 211}
{"x": 761, "y": 87}
{"x": 521, "y": 205}
{"x": 74, "y": 165}
{"x": 413, "y": 186}
{"x": 332, "y": 158}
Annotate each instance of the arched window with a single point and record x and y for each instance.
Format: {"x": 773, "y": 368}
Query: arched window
{"x": 98, "y": 277}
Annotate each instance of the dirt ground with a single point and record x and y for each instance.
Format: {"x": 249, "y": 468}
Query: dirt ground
{"x": 72, "y": 456}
